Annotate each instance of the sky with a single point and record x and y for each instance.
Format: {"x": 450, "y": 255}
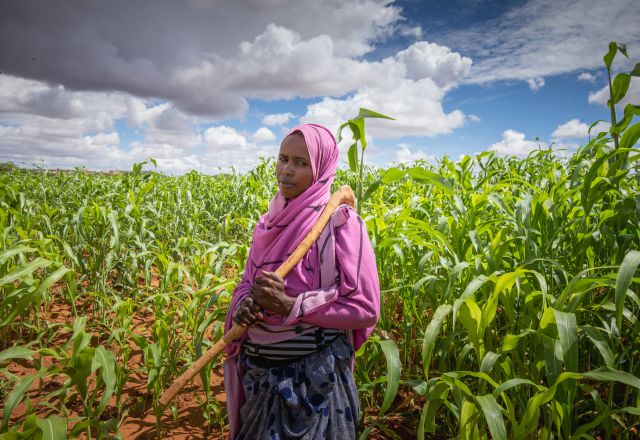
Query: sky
{"x": 214, "y": 85}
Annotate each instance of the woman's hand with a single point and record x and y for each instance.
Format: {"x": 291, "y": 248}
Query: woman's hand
{"x": 268, "y": 292}
{"x": 247, "y": 312}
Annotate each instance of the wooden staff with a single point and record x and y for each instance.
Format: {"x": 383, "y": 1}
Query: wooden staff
{"x": 344, "y": 195}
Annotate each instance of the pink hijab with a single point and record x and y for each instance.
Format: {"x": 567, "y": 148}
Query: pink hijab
{"x": 287, "y": 223}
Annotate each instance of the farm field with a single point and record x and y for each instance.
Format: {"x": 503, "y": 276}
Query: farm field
{"x": 509, "y": 295}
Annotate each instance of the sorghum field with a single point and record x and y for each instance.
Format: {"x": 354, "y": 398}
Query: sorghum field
{"x": 509, "y": 291}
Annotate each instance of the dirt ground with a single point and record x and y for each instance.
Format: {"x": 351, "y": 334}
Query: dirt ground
{"x": 140, "y": 421}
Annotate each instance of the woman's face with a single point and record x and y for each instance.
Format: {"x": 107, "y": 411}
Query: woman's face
{"x": 293, "y": 169}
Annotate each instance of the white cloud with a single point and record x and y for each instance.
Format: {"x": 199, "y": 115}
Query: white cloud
{"x": 404, "y": 154}
{"x": 104, "y": 139}
{"x": 513, "y": 143}
{"x": 539, "y": 38}
{"x": 535, "y": 84}
{"x": 474, "y": 118}
{"x": 587, "y": 77}
{"x": 277, "y": 119}
{"x": 411, "y": 91}
{"x": 429, "y": 60}
{"x": 263, "y": 134}
{"x": 411, "y": 31}
{"x": 416, "y": 106}
{"x": 225, "y": 138}
{"x": 194, "y": 54}
{"x": 633, "y": 95}
{"x": 576, "y": 129}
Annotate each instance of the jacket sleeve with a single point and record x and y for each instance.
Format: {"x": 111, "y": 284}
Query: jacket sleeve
{"x": 354, "y": 301}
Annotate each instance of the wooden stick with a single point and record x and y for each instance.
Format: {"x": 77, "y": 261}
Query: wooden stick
{"x": 344, "y": 195}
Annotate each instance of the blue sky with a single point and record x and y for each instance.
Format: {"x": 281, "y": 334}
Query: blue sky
{"x": 207, "y": 85}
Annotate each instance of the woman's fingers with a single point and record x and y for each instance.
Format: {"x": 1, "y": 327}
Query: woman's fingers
{"x": 270, "y": 279}
{"x": 247, "y": 312}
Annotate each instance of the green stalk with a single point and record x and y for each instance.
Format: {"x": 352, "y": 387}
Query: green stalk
{"x": 613, "y": 109}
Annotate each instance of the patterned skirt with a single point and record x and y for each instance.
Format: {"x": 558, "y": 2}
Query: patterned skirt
{"x": 313, "y": 398}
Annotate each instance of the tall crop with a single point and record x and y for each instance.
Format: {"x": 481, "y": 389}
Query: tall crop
{"x": 509, "y": 289}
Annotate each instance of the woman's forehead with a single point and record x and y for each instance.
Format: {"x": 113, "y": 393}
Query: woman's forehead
{"x": 294, "y": 145}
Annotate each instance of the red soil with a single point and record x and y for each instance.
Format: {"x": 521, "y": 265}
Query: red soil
{"x": 139, "y": 423}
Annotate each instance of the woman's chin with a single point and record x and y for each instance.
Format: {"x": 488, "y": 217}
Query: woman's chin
{"x": 287, "y": 193}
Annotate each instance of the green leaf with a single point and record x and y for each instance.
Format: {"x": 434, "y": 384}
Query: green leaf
{"x": 392, "y": 354}
{"x": 608, "y": 58}
{"x": 568, "y": 333}
{"x": 430, "y": 335}
{"x": 79, "y": 369}
{"x": 363, "y": 137}
{"x": 600, "y": 343}
{"x": 468, "y": 422}
{"x": 470, "y": 316}
{"x": 16, "y": 396}
{"x": 352, "y": 126}
{"x": 353, "y": 157}
{"x": 610, "y": 375}
{"x": 469, "y": 292}
{"x": 620, "y": 86}
{"x": 371, "y": 189}
{"x": 8, "y": 253}
{"x": 623, "y": 49}
{"x": 509, "y": 342}
{"x": 105, "y": 361}
{"x": 630, "y": 137}
{"x": 366, "y": 113}
{"x": 488, "y": 362}
{"x": 636, "y": 70}
{"x": 493, "y": 415}
{"x": 52, "y": 279}
{"x": 593, "y": 125}
{"x": 392, "y": 174}
{"x": 16, "y": 353}
{"x": 422, "y": 175}
{"x": 53, "y": 428}
{"x": 623, "y": 281}
{"x": 27, "y": 269}
{"x": 435, "y": 399}
{"x": 512, "y": 383}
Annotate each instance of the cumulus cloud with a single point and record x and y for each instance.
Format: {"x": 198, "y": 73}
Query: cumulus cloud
{"x": 411, "y": 91}
{"x": 587, "y": 77}
{"x": 474, "y": 118}
{"x": 576, "y": 129}
{"x": 535, "y": 84}
{"x": 404, "y": 154}
{"x": 513, "y": 143}
{"x": 225, "y": 138}
{"x": 632, "y": 97}
{"x": 193, "y": 54}
{"x": 277, "y": 119}
{"x": 423, "y": 59}
{"x": 263, "y": 134}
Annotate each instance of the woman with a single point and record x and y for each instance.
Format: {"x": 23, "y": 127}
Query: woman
{"x": 290, "y": 376}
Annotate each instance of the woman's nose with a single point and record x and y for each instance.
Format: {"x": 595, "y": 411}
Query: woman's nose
{"x": 287, "y": 169}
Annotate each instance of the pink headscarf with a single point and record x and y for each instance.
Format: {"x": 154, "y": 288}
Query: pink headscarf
{"x": 287, "y": 223}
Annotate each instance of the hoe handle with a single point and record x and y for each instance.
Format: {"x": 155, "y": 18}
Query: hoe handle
{"x": 344, "y": 195}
